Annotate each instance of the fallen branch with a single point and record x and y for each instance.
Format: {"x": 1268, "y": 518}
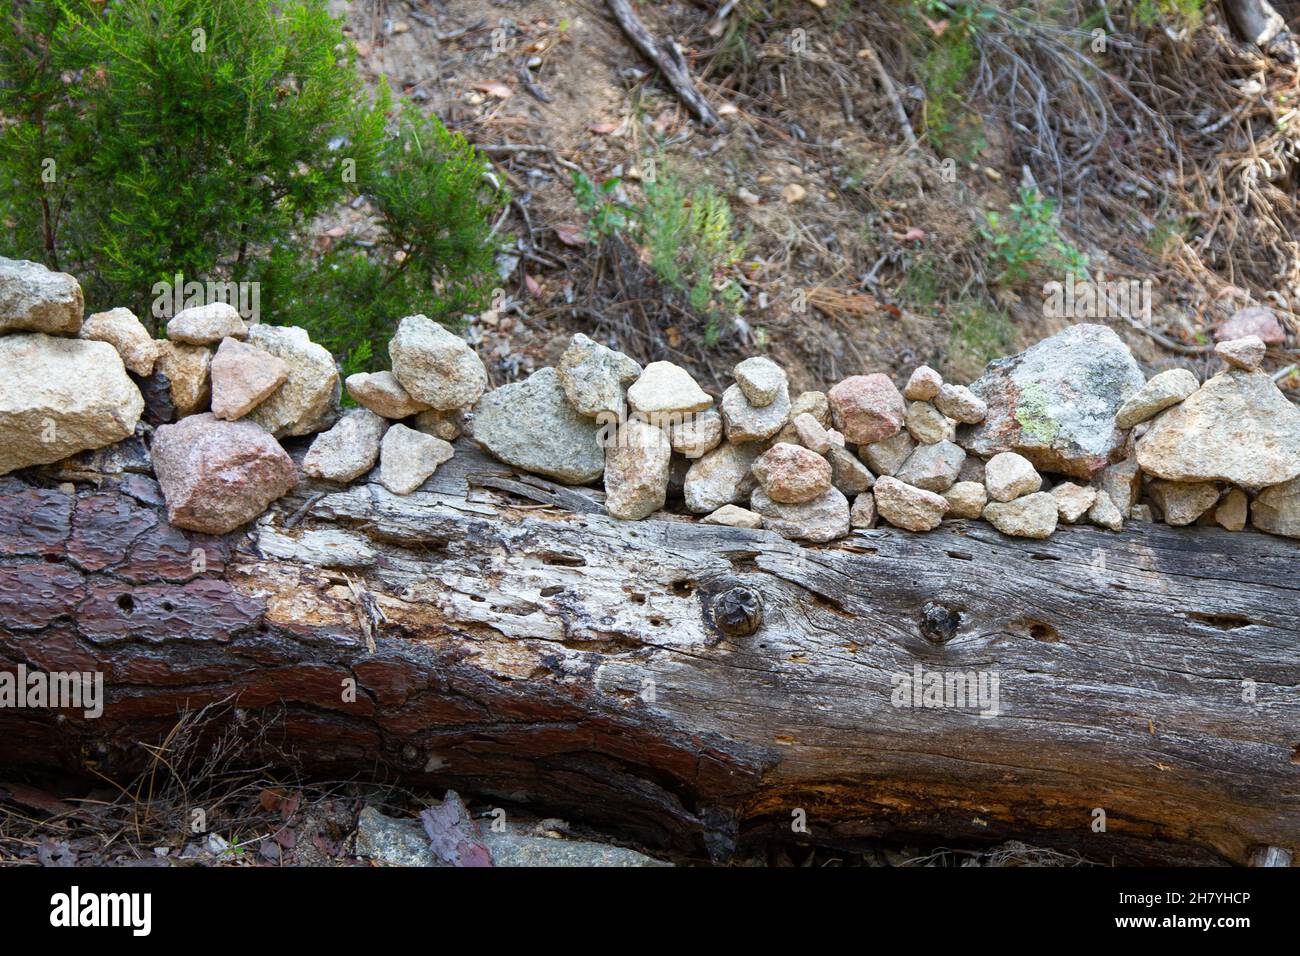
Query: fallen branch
{"x": 667, "y": 56}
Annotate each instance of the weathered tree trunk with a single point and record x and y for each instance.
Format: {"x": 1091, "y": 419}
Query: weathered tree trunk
{"x": 509, "y": 640}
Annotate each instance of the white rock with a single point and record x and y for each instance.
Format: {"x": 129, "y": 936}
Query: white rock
{"x": 743, "y": 422}
{"x": 1008, "y": 475}
{"x": 1073, "y": 501}
{"x": 122, "y": 330}
{"x": 435, "y": 366}
{"x": 408, "y": 458}
{"x": 1160, "y": 391}
{"x": 349, "y": 449}
{"x": 734, "y": 517}
{"x": 1031, "y": 516}
{"x": 1245, "y": 353}
{"x": 35, "y": 299}
{"x": 907, "y": 507}
{"x": 761, "y": 379}
{"x": 207, "y": 324}
{"x": 636, "y": 471}
{"x": 695, "y": 434}
{"x": 823, "y": 519}
{"x": 966, "y": 499}
{"x": 308, "y": 401}
{"x": 383, "y": 394}
{"x": 664, "y": 389}
{"x": 60, "y": 396}
{"x": 924, "y": 385}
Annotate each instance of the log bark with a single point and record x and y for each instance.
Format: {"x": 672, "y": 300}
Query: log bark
{"x": 509, "y": 640}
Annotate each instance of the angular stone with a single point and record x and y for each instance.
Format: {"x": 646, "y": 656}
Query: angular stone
{"x": 122, "y": 330}
{"x": 696, "y": 433}
{"x": 924, "y": 385}
{"x": 207, "y": 324}
{"x": 927, "y": 424}
{"x": 636, "y": 471}
{"x": 932, "y": 467}
{"x": 887, "y": 456}
{"x": 35, "y": 299}
{"x": 436, "y": 367}
{"x": 734, "y": 517}
{"x": 1237, "y": 427}
{"x": 1160, "y": 391}
{"x": 1246, "y": 353}
{"x": 823, "y": 519}
{"x": 1007, "y": 476}
{"x": 961, "y": 404}
{"x": 905, "y": 506}
{"x": 664, "y": 389}
{"x": 1104, "y": 513}
{"x": 848, "y": 474}
{"x": 790, "y": 474}
{"x": 815, "y": 404}
{"x": 1122, "y": 481}
{"x": 383, "y": 394}
{"x": 61, "y": 396}
{"x": 1033, "y": 516}
{"x": 720, "y": 478}
{"x": 243, "y": 377}
{"x": 1183, "y": 502}
{"x": 216, "y": 475}
{"x": 811, "y": 434}
{"x": 1073, "y": 501}
{"x": 445, "y": 425}
{"x": 863, "y": 512}
{"x": 1231, "y": 512}
{"x": 1136, "y": 513}
{"x": 408, "y": 458}
{"x": 742, "y": 422}
{"x": 867, "y": 408}
{"x": 188, "y": 369}
{"x": 595, "y": 377}
{"x": 966, "y": 499}
{"x": 308, "y": 401}
{"x": 349, "y": 449}
{"x": 1277, "y": 509}
{"x": 1055, "y": 403}
{"x": 532, "y": 426}
{"x": 1252, "y": 320}
{"x": 761, "y": 379}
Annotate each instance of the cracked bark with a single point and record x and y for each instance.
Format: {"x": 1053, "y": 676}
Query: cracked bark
{"x": 529, "y": 649}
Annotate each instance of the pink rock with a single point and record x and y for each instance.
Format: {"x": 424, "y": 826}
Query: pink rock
{"x": 1252, "y": 320}
{"x": 867, "y": 408}
{"x": 216, "y": 475}
{"x": 243, "y": 376}
{"x": 791, "y": 474}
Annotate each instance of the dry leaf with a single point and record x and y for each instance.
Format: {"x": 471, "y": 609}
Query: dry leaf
{"x": 570, "y": 233}
{"x": 534, "y": 287}
{"x": 602, "y": 129}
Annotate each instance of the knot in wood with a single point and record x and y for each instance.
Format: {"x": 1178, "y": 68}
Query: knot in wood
{"x": 738, "y": 612}
{"x": 938, "y": 623}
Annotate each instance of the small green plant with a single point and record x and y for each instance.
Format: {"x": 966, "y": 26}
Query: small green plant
{"x": 687, "y": 235}
{"x": 947, "y": 35}
{"x": 1028, "y": 238}
{"x": 605, "y": 218}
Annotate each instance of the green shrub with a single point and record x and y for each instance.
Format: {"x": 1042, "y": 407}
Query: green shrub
{"x": 436, "y": 205}
{"x": 1028, "y": 238}
{"x": 146, "y": 138}
{"x": 687, "y": 235}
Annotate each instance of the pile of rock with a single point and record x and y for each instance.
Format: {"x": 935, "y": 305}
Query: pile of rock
{"x": 215, "y": 397}
{"x": 1068, "y": 431}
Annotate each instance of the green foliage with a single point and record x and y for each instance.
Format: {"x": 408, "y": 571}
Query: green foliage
{"x": 1187, "y": 13}
{"x": 605, "y": 218}
{"x": 687, "y": 236}
{"x": 1028, "y": 238}
{"x": 182, "y": 133}
{"x": 948, "y": 64}
{"x": 147, "y": 138}
{"x": 436, "y": 208}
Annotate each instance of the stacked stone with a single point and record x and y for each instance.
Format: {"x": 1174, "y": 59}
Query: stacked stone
{"x": 1068, "y": 431}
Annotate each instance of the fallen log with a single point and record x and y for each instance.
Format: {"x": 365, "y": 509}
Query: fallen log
{"x": 686, "y": 686}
